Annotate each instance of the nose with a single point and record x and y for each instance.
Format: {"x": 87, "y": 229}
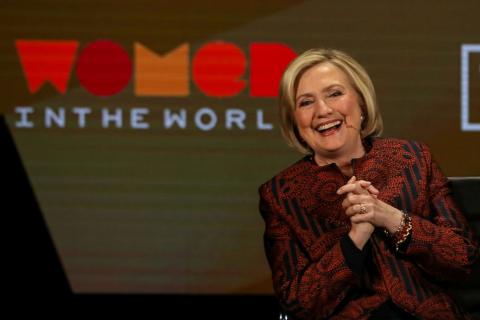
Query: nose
{"x": 322, "y": 109}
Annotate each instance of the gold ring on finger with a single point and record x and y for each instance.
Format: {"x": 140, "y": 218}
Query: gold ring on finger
{"x": 363, "y": 209}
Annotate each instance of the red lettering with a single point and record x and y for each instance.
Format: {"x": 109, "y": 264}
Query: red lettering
{"x": 104, "y": 68}
{"x": 267, "y": 63}
{"x": 217, "y": 69}
{"x": 44, "y": 61}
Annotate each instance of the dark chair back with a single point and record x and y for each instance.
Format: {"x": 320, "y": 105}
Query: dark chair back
{"x": 466, "y": 191}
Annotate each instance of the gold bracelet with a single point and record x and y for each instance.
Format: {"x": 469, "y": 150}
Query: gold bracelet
{"x": 403, "y": 231}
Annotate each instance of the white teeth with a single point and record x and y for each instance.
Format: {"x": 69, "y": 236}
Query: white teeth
{"x": 328, "y": 125}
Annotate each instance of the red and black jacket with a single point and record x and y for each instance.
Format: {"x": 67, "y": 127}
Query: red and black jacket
{"x": 317, "y": 272}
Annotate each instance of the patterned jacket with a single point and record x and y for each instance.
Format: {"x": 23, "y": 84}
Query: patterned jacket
{"x": 314, "y": 277}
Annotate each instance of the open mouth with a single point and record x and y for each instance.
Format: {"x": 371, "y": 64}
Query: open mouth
{"x": 329, "y": 128}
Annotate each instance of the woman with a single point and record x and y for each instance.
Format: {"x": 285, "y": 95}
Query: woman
{"x": 361, "y": 227}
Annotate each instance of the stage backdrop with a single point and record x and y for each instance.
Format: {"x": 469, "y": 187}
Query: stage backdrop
{"x": 146, "y": 127}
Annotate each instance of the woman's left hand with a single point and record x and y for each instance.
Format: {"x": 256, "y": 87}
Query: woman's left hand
{"x": 363, "y": 206}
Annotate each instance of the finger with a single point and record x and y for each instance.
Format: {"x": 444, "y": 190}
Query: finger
{"x": 346, "y": 188}
{"x": 373, "y": 191}
{"x": 349, "y": 200}
{"x": 364, "y": 183}
{"x": 353, "y": 210}
{"x": 350, "y": 211}
{"x": 352, "y": 187}
{"x": 361, "y": 187}
{"x": 350, "y": 181}
{"x": 359, "y": 198}
{"x": 368, "y": 185}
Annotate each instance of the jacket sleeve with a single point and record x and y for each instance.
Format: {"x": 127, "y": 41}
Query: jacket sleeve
{"x": 308, "y": 285}
{"x": 442, "y": 244}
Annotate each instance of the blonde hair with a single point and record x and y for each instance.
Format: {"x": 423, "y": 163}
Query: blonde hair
{"x": 372, "y": 124}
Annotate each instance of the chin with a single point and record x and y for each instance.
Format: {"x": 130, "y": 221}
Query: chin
{"x": 332, "y": 146}
{"x": 330, "y": 149}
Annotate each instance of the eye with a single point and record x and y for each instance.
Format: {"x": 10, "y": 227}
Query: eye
{"x": 305, "y": 102}
{"x": 335, "y": 93}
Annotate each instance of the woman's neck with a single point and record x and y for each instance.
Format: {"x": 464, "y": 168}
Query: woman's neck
{"x": 343, "y": 162}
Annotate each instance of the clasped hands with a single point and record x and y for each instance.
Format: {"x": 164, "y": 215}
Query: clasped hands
{"x": 366, "y": 211}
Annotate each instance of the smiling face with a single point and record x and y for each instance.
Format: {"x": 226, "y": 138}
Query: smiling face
{"x": 327, "y": 113}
